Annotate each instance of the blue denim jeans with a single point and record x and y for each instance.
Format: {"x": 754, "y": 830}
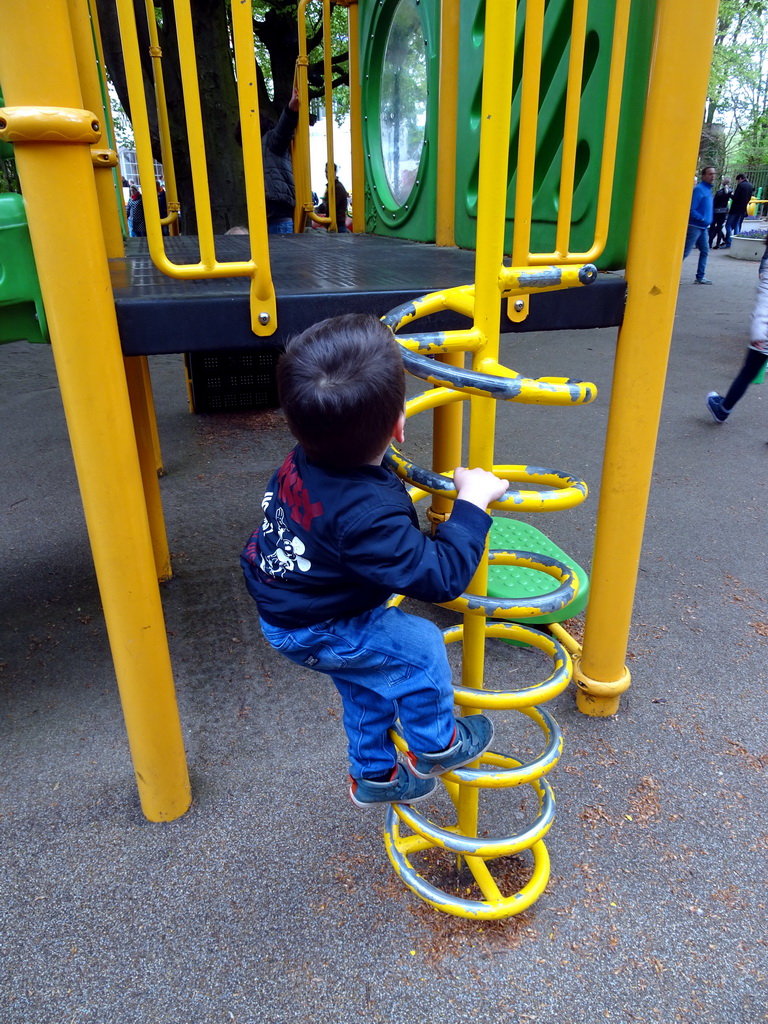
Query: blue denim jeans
{"x": 733, "y": 224}
{"x": 698, "y": 238}
{"x": 386, "y": 665}
{"x": 280, "y": 227}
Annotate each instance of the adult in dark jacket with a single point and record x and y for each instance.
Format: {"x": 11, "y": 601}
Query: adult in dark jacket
{"x": 279, "y": 188}
{"x": 739, "y": 204}
{"x": 135, "y": 209}
{"x": 342, "y": 202}
{"x": 720, "y": 212}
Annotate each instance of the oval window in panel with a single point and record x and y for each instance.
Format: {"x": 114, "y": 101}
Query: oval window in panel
{"x": 403, "y": 100}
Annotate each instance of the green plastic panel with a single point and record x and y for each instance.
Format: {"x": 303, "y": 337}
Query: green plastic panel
{"x": 399, "y": 44}
{"x": 554, "y": 71}
{"x": 22, "y": 317}
{"x": 514, "y": 581}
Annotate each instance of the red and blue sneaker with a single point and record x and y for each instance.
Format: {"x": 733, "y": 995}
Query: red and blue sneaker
{"x": 471, "y": 738}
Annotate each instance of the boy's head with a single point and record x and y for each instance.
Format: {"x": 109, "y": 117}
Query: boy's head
{"x": 342, "y": 387}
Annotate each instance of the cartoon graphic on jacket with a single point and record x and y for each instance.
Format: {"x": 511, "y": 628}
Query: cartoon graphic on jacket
{"x": 335, "y": 543}
{"x": 287, "y": 555}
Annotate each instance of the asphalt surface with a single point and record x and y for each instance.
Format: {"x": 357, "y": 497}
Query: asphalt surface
{"x": 272, "y": 900}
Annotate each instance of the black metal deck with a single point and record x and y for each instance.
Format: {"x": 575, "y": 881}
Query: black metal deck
{"x": 316, "y": 275}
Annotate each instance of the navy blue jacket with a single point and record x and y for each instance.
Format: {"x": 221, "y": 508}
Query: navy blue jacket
{"x": 336, "y": 543}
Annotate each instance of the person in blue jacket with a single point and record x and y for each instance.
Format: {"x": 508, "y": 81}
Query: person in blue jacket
{"x": 699, "y": 220}
{"x": 340, "y": 535}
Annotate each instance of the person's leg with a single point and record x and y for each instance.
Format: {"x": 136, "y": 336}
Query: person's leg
{"x": 690, "y": 239}
{"x": 368, "y": 717}
{"x": 730, "y": 221}
{"x": 400, "y": 659}
{"x": 753, "y": 364}
{"x": 702, "y": 244}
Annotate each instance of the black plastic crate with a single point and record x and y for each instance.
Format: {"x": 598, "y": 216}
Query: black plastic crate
{"x": 232, "y": 381}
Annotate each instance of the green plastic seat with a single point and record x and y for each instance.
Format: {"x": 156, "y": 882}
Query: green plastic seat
{"x": 512, "y": 581}
{"x": 22, "y": 316}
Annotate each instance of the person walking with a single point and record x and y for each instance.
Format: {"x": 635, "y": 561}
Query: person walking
{"x": 699, "y": 220}
{"x": 757, "y": 351}
{"x": 739, "y": 203}
{"x": 720, "y": 212}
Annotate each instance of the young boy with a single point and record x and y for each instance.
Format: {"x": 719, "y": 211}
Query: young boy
{"x": 340, "y": 536}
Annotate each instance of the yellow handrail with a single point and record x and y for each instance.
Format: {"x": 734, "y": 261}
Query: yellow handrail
{"x": 166, "y": 150}
{"x": 304, "y": 206}
{"x": 263, "y": 306}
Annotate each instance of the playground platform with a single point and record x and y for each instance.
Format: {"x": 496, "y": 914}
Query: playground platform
{"x": 316, "y": 275}
{"x": 272, "y": 900}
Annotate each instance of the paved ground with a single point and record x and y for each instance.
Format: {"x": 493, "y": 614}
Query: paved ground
{"x": 272, "y": 901}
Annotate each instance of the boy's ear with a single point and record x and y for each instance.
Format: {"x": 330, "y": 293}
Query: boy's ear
{"x": 399, "y": 432}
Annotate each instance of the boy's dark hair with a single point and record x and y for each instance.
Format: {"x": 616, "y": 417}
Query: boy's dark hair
{"x": 342, "y": 387}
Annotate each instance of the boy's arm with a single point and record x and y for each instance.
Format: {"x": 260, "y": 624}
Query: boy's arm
{"x": 390, "y": 551}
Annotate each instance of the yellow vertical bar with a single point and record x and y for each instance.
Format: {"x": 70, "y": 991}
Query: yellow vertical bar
{"x": 669, "y": 146}
{"x": 328, "y": 86}
{"x": 612, "y": 116}
{"x": 447, "y": 433}
{"x": 142, "y": 413}
{"x": 571, "y": 126}
{"x": 135, "y": 82}
{"x": 262, "y": 299}
{"x": 529, "y": 120}
{"x": 300, "y": 152}
{"x": 492, "y": 188}
{"x": 445, "y": 213}
{"x": 82, "y": 37}
{"x": 356, "y": 120}
{"x": 38, "y": 68}
{"x": 149, "y": 398}
{"x": 164, "y": 129}
{"x": 142, "y": 410}
{"x": 446, "y": 441}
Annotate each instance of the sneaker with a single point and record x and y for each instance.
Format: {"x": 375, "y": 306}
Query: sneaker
{"x": 471, "y": 738}
{"x": 402, "y": 788}
{"x": 715, "y": 406}
{"x": 704, "y": 280}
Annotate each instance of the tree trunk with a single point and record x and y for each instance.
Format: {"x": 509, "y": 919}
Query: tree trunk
{"x": 218, "y": 101}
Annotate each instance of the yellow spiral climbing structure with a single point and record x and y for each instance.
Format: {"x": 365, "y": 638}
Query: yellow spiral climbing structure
{"x": 438, "y": 358}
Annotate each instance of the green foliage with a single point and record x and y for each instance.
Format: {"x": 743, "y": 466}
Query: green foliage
{"x": 275, "y": 29}
{"x": 735, "y": 124}
{"x": 9, "y": 179}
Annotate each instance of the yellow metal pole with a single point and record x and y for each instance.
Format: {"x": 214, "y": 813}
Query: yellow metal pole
{"x": 164, "y": 128}
{"x": 142, "y": 413}
{"x": 300, "y": 149}
{"x": 149, "y": 399}
{"x": 492, "y": 184}
{"x": 669, "y": 147}
{"x": 447, "y": 419}
{"x": 90, "y": 88}
{"x": 445, "y": 210}
{"x": 139, "y": 388}
{"x": 356, "y": 120}
{"x": 330, "y": 170}
{"x": 52, "y": 134}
